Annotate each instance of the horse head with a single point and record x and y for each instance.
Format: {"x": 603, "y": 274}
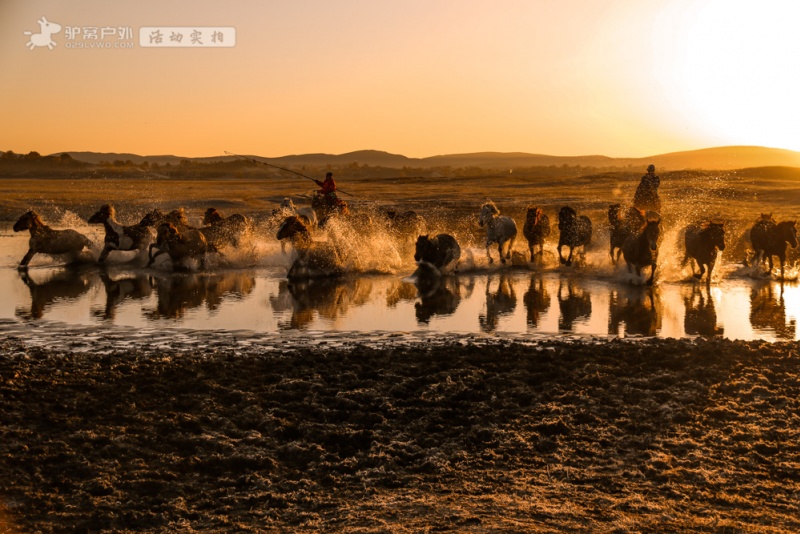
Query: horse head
{"x": 167, "y": 231}
{"x": 488, "y": 211}
{"x": 292, "y": 226}
{"x": 652, "y": 232}
{"x": 716, "y": 234}
{"x": 106, "y": 212}
{"x": 423, "y": 247}
{"x": 177, "y": 217}
{"x": 152, "y": 218}
{"x": 212, "y": 216}
{"x": 29, "y": 220}
{"x": 566, "y": 217}
{"x": 534, "y": 215}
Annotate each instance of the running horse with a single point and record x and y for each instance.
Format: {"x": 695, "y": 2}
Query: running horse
{"x": 180, "y": 244}
{"x": 770, "y": 239}
{"x": 315, "y": 259}
{"x": 574, "y": 232}
{"x": 642, "y": 250}
{"x": 702, "y": 242}
{"x": 500, "y": 229}
{"x": 221, "y": 231}
{"x": 45, "y": 240}
{"x": 625, "y": 222}
{"x": 125, "y": 238}
{"x": 536, "y": 229}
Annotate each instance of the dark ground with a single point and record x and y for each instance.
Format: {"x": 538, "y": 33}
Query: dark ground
{"x": 479, "y": 436}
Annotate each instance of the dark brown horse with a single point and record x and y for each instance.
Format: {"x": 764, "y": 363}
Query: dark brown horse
{"x": 702, "y": 241}
{"x": 440, "y": 251}
{"x": 536, "y": 229}
{"x": 625, "y": 222}
{"x": 180, "y": 245}
{"x": 642, "y": 251}
{"x": 222, "y": 231}
{"x": 45, "y": 240}
{"x": 574, "y": 232}
{"x": 315, "y": 259}
{"x": 770, "y": 239}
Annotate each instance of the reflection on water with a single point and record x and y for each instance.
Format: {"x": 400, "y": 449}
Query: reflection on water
{"x": 133, "y": 286}
{"x": 638, "y": 308}
{"x": 574, "y": 303}
{"x": 701, "y": 315}
{"x": 327, "y": 298}
{"x": 178, "y": 293}
{"x": 501, "y": 299}
{"x": 768, "y": 310}
{"x": 552, "y": 303}
{"x": 536, "y": 299}
{"x": 50, "y": 287}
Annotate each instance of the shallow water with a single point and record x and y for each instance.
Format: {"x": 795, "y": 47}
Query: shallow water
{"x": 254, "y": 295}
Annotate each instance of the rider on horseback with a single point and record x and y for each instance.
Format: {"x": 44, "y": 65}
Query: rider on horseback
{"x": 326, "y": 196}
{"x": 646, "y": 197}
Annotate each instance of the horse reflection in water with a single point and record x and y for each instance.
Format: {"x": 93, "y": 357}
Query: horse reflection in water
{"x": 62, "y": 284}
{"x": 329, "y": 298}
{"x": 768, "y": 311}
{"x": 136, "y": 287}
{"x": 537, "y": 300}
{"x": 179, "y": 293}
{"x": 438, "y": 294}
{"x": 501, "y": 302}
{"x": 400, "y": 291}
{"x": 638, "y": 308}
{"x": 575, "y": 304}
{"x": 701, "y": 316}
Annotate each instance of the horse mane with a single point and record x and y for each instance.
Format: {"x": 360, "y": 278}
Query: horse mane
{"x": 211, "y": 216}
{"x": 178, "y": 216}
{"x": 491, "y": 207}
{"x": 109, "y": 211}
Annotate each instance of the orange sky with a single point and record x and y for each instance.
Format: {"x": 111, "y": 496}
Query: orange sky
{"x": 420, "y": 78}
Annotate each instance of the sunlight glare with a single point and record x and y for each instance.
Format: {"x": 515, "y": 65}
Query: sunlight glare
{"x": 731, "y": 68}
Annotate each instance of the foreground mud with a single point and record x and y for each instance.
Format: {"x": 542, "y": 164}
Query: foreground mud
{"x": 456, "y": 436}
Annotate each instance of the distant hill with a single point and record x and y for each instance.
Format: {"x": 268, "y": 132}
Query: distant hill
{"x": 719, "y": 158}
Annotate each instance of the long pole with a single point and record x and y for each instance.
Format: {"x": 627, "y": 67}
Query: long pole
{"x": 282, "y": 169}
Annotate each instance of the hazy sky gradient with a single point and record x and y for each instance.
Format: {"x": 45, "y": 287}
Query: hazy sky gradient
{"x": 420, "y": 78}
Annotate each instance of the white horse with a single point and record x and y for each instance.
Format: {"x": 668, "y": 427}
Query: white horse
{"x": 288, "y": 208}
{"x": 500, "y": 229}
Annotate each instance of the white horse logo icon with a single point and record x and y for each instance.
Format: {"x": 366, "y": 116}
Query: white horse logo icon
{"x": 43, "y": 38}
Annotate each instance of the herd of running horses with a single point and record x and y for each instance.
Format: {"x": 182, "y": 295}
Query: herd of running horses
{"x": 634, "y": 236}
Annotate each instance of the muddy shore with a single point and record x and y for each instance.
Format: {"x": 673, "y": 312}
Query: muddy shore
{"x": 456, "y": 435}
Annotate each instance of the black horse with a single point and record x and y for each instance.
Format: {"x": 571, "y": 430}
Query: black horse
{"x": 439, "y": 251}
{"x": 625, "y": 222}
{"x": 642, "y": 251}
{"x": 770, "y": 239}
{"x": 574, "y": 232}
{"x": 702, "y": 242}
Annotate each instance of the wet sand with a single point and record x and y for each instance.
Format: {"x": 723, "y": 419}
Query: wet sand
{"x": 225, "y": 432}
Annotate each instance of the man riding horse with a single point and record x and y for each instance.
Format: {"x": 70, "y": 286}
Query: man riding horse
{"x": 646, "y": 197}
{"x": 325, "y": 201}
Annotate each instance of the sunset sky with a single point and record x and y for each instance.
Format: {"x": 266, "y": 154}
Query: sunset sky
{"x": 413, "y": 77}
